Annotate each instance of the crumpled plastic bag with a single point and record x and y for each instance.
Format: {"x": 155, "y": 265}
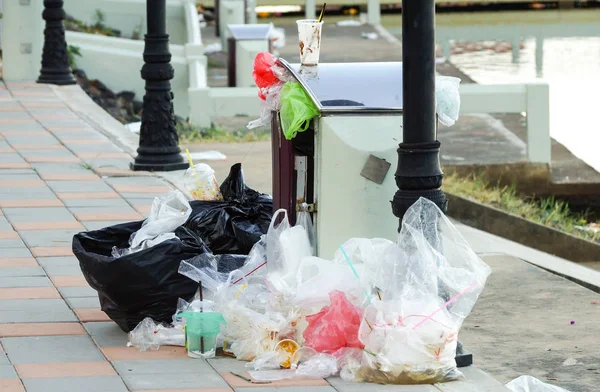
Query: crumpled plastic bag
{"x": 148, "y": 335}
{"x": 428, "y": 283}
{"x": 531, "y": 384}
{"x": 447, "y": 99}
{"x": 317, "y": 367}
{"x": 167, "y": 214}
{"x": 263, "y": 74}
{"x": 297, "y": 110}
{"x": 335, "y": 326}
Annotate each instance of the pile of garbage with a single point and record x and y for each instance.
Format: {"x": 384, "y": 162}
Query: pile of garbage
{"x": 224, "y": 271}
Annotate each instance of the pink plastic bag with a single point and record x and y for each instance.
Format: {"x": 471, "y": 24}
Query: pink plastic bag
{"x": 263, "y": 72}
{"x": 335, "y": 326}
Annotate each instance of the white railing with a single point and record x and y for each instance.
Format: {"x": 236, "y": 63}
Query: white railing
{"x": 532, "y": 99}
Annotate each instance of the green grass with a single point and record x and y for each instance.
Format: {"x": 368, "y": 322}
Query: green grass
{"x": 189, "y": 134}
{"x": 546, "y": 211}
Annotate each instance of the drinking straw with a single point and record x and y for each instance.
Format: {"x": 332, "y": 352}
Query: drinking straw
{"x": 322, "y": 12}
{"x": 450, "y": 301}
{"x": 201, "y": 311}
{"x": 353, "y": 269}
{"x": 193, "y": 169}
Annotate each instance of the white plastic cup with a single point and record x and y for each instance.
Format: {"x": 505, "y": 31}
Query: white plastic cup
{"x": 201, "y": 183}
{"x": 309, "y": 35}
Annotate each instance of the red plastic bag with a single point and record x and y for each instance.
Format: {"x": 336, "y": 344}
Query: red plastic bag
{"x": 263, "y": 73}
{"x": 335, "y": 326}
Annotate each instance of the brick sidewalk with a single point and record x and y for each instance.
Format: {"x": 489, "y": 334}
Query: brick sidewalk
{"x": 60, "y": 176}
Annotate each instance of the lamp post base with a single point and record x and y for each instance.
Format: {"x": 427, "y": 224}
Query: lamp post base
{"x": 58, "y": 78}
{"x": 158, "y": 166}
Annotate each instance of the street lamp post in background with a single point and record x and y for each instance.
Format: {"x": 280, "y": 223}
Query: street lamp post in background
{"x": 159, "y": 144}
{"x": 419, "y": 173}
{"x": 55, "y": 58}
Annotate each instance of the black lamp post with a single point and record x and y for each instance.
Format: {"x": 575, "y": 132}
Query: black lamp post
{"x": 419, "y": 173}
{"x": 55, "y": 59}
{"x": 159, "y": 144}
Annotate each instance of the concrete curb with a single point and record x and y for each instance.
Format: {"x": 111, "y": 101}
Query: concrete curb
{"x": 522, "y": 231}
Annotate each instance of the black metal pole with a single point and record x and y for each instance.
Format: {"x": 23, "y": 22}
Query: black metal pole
{"x": 159, "y": 144}
{"x": 55, "y": 59}
{"x": 419, "y": 173}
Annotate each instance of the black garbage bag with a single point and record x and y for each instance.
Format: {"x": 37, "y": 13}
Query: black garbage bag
{"x": 142, "y": 284}
{"x": 234, "y": 225}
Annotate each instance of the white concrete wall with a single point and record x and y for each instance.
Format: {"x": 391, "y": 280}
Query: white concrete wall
{"x": 23, "y": 32}
{"x": 128, "y": 16}
{"x": 117, "y": 62}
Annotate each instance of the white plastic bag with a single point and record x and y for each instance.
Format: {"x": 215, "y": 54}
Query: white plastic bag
{"x": 531, "y": 384}
{"x": 303, "y": 219}
{"x": 167, "y": 214}
{"x": 148, "y": 335}
{"x": 428, "y": 283}
{"x": 447, "y": 99}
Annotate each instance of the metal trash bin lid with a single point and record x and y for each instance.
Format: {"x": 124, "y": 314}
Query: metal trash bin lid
{"x": 246, "y": 32}
{"x": 342, "y": 88}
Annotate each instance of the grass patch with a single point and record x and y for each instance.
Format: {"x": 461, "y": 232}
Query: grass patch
{"x": 189, "y": 134}
{"x": 546, "y": 211}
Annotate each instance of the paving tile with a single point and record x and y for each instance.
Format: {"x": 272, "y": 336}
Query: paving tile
{"x": 53, "y": 168}
{"x": 236, "y": 382}
{"x": 52, "y": 251}
{"x": 180, "y": 380}
{"x": 224, "y": 364}
{"x": 108, "y": 216}
{"x": 81, "y": 134}
{"x": 56, "y": 237}
{"x": 118, "y": 155}
{"x": 11, "y": 158}
{"x": 98, "y": 225}
{"x": 83, "y": 302}
{"x": 129, "y": 195}
{"x": 75, "y": 292}
{"x": 188, "y": 390}
{"x": 18, "y": 183}
{"x": 268, "y": 388}
{"x": 57, "y": 261}
{"x": 142, "y": 189}
{"x": 38, "y": 147}
{"x": 30, "y": 203}
{"x": 117, "y": 163}
{"x": 11, "y": 385}
{"x": 7, "y": 371}
{"x": 11, "y": 243}
{"x": 350, "y": 386}
{"x": 4, "y": 225}
{"x": 26, "y": 281}
{"x": 28, "y": 293}
{"x": 70, "y": 281}
{"x": 70, "y": 203}
{"x": 131, "y": 353}
{"x": 107, "y": 171}
{"x": 163, "y": 366}
{"x": 49, "y": 159}
{"x": 136, "y": 181}
{"x": 40, "y": 329}
{"x": 8, "y": 235}
{"x": 69, "y": 177}
{"x": 50, "y": 214}
{"x": 143, "y": 209}
{"x": 79, "y": 186}
{"x": 15, "y": 253}
{"x": 17, "y": 262}
{"x": 87, "y": 195}
{"x": 75, "y": 384}
{"x": 84, "y": 142}
{"x": 35, "y": 311}
{"x": 42, "y": 193}
{"x": 51, "y": 349}
{"x": 71, "y": 369}
{"x": 18, "y": 165}
{"x": 90, "y": 315}
{"x": 11, "y": 121}
{"x": 63, "y": 270}
{"x": 20, "y": 271}
{"x": 3, "y": 358}
{"x": 108, "y": 334}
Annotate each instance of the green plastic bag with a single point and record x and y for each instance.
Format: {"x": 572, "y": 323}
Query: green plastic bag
{"x": 297, "y": 109}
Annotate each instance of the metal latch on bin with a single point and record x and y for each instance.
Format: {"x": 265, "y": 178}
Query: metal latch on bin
{"x": 312, "y": 208}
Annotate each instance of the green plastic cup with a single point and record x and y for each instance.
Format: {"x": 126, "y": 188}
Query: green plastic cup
{"x": 201, "y": 332}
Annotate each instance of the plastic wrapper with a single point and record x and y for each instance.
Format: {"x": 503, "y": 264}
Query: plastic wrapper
{"x": 531, "y": 384}
{"x": 234, "y": 225}
{"x": 334, "y": 327}
{"x": 263, "y": 74}
{"x": 317, "y": 367}
{"x": 447, "y": 99}
{"x": 138, "y": 285}
{"x": 167, "y": 214}
{"x": 297, "y": 110}
{"x": 148, "y": 335}
{"x": 428, "y": 285}
{"x": 201, "y": 182}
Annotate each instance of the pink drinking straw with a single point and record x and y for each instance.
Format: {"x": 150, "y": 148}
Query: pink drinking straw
{"x": 444, "y": 306}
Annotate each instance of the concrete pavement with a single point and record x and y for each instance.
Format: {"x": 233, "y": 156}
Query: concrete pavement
{"x": 63, "y": 169}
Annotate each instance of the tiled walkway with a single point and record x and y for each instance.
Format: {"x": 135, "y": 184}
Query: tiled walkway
{"x": 59, "y": 176}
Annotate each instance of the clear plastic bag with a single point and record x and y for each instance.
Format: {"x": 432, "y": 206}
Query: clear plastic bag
{"x": 531, "y": 384}
{"x": 447, "y": 99}
{"x": 149, "y": 335}
{"x": 167, "y": 214}
{"x": 303, "y": 219}
{"x": 428, "y": 283}
{"x": 317, "y": 367}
